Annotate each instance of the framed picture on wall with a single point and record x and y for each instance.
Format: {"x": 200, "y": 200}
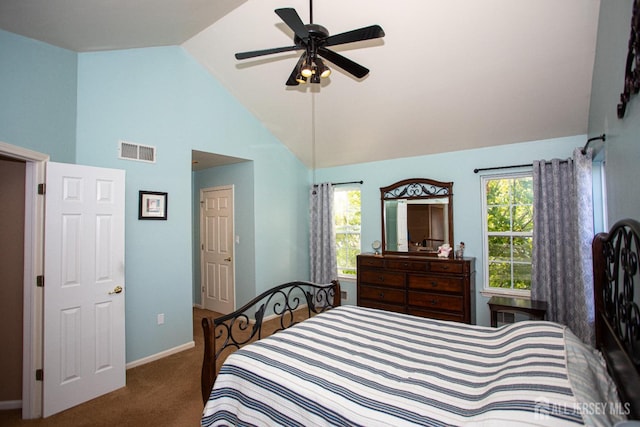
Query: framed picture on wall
{"x": 152, "y": 205}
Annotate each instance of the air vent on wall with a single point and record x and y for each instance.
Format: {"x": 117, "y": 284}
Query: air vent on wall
{"x": 139, "y": 152}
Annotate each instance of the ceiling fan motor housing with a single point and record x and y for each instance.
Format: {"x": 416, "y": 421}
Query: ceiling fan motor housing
{"x": 316, "y": 32}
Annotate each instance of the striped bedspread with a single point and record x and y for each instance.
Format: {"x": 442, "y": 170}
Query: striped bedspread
{"x": 355, "y": 366}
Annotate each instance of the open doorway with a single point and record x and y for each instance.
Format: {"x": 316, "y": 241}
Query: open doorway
{"x": 218, "y": 171}
{"x": 32, "y": 171}
{"x": 12, "y": 182}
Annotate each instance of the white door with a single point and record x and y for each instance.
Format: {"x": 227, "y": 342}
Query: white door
{"x": 84, "y": 327}
{"x": 216, "y": 237}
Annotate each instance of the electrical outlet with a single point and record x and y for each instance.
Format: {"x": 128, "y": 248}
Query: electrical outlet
{"x": 161, "y": 319}
{"x": 343, "y": 294}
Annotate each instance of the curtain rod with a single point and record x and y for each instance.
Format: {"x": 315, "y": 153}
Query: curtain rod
{"x": 603, "y": 137}
{"x": 343, "y": 183}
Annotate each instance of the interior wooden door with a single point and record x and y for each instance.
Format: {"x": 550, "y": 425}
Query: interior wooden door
{"x": 217, "y": 248}
{"x": 84, "y": 316}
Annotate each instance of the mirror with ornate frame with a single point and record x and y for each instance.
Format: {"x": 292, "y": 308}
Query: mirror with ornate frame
{"x": 417, "y": 216}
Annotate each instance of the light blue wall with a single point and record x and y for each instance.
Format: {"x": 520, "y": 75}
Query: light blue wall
{"x": 622, "y": 148}
{"x": 138, "y": 96}
{"x": 467, "y": 201}
{"x": 162, "y": 97}
{"x": 240, "y": 175}
{"x": 38, "y": 96}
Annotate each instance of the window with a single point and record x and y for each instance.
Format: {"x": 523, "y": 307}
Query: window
{"x": 508, "y": 232}
{"x": 346, "y": 214}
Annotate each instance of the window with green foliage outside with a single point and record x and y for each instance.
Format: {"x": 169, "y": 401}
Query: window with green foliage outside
{"x": 346, "y": 214}
{"x": 508, "y": 231}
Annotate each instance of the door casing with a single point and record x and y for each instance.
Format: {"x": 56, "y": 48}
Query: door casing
{"x": 33, "y": 267}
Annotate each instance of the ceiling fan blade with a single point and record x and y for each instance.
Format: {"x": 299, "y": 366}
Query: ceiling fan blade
{"x": 291, "y": 81}
{"x": 292, "y": 19}
{"x": 254, "y": 53}
{"x": 345, "y": 63}
{"x": 366, "y": 33}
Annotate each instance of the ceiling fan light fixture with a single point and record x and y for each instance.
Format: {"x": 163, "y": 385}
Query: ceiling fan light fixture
{"x": 322, "y": 69}
{"x": 301, "y": 79}
{"x": 315, "y": 78}
{"x": 306, "y": 69}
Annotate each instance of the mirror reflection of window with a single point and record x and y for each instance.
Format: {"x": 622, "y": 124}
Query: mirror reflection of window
{"x": 391, "y": 231}
{"x": 403, "y": 231}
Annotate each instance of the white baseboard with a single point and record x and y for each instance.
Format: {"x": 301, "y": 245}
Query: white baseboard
{"x": 198, "y": 306}
{"x": 161, "y": 355}
{"x": 10, "y": 404}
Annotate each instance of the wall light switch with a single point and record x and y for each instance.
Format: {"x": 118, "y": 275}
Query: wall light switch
{"x": 161, "y": 319}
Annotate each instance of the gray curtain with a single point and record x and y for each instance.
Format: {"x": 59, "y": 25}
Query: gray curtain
{"x": 322, "y": 240}
{"x": 562, "y": 233}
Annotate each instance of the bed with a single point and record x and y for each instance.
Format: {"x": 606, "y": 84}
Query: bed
{"x": 347, "y": 365}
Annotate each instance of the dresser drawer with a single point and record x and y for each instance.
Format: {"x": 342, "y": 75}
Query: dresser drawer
{"x": 371, "y": 261}
{"x": 382, "y": 277}
{"x": 435, "y": 301}
{"x": 445, "y": 267}
{"x": 436, "y": 283}
{"x": 382, "y": 295}
{"x": 397, "y": 264}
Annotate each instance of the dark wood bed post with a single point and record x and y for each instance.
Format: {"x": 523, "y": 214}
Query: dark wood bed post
{"x": 599, "y": 278}
{"x": 209, "y": 361}
{"x": 208, "y": 375}
{"x": 337, "y": 296}
{"x": 616, "y": 279}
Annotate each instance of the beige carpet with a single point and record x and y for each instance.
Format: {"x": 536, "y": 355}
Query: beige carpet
{"x": 161, "y": 393}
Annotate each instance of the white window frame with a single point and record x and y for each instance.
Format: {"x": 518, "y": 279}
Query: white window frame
{"x": 486, "y": 290}
{"x": 345, "y": 189}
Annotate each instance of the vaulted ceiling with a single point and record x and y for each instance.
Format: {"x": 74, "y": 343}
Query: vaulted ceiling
{"x": 449, "y": 75}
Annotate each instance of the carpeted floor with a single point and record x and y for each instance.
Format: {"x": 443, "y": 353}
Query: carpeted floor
{"x": 162, "y": 393}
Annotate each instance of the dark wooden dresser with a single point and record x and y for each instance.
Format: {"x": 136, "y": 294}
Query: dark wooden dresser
{"x": 440, "y": 288}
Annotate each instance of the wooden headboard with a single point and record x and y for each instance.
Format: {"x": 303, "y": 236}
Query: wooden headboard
{"x": 617, "y": 298}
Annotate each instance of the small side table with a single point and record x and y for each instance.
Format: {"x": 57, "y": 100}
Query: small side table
{"x": 535, "y": 309}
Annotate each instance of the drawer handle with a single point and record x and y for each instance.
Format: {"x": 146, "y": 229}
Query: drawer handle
{"x": 445, "y": 267}
{"x": 434, "y": 302}
{"x": 434, "y": 283}
{"x": 381, "y": 278}
{"x": 405, "y": 264}
{"x": 381, "y": 294}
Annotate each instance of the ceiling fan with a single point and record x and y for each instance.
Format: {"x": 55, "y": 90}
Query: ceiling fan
{"x": 314, "y": 40}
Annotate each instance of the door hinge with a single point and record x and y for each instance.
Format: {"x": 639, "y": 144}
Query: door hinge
{"x": 40, "y": 281}
{"x": 42, "y": 189}
{"x": 39, "y": 374}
